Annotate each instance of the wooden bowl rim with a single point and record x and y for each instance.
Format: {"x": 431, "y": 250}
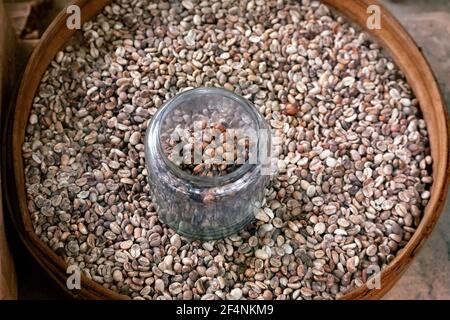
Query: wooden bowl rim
{"x": 56, "y": 266}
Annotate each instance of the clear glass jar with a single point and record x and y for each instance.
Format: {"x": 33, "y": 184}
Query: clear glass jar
{"x": 207, "y": 207}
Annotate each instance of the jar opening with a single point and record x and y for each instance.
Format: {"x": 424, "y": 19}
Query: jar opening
{"x": 185, "y": 125}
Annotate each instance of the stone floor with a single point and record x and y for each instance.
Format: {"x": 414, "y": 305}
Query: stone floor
{"x": 428, "y": 22}
{"x": 428, "y": 276}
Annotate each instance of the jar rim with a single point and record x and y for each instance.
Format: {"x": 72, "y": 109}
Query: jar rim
{"x": 204, "y": 181}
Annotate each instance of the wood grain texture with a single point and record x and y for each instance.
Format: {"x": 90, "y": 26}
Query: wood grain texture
{"x": 393, "y": 38}
{"x": 8, "y": 284}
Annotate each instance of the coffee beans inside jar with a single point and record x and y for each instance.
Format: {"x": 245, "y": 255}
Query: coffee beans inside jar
{"x": 216, "y": 148}
{"x": 354, "y": 165}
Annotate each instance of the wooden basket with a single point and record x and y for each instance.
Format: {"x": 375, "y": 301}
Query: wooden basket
{"x": 391, "y": 36}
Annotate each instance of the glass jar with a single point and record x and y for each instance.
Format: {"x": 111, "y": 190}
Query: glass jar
{"x": 207, "y": 207}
